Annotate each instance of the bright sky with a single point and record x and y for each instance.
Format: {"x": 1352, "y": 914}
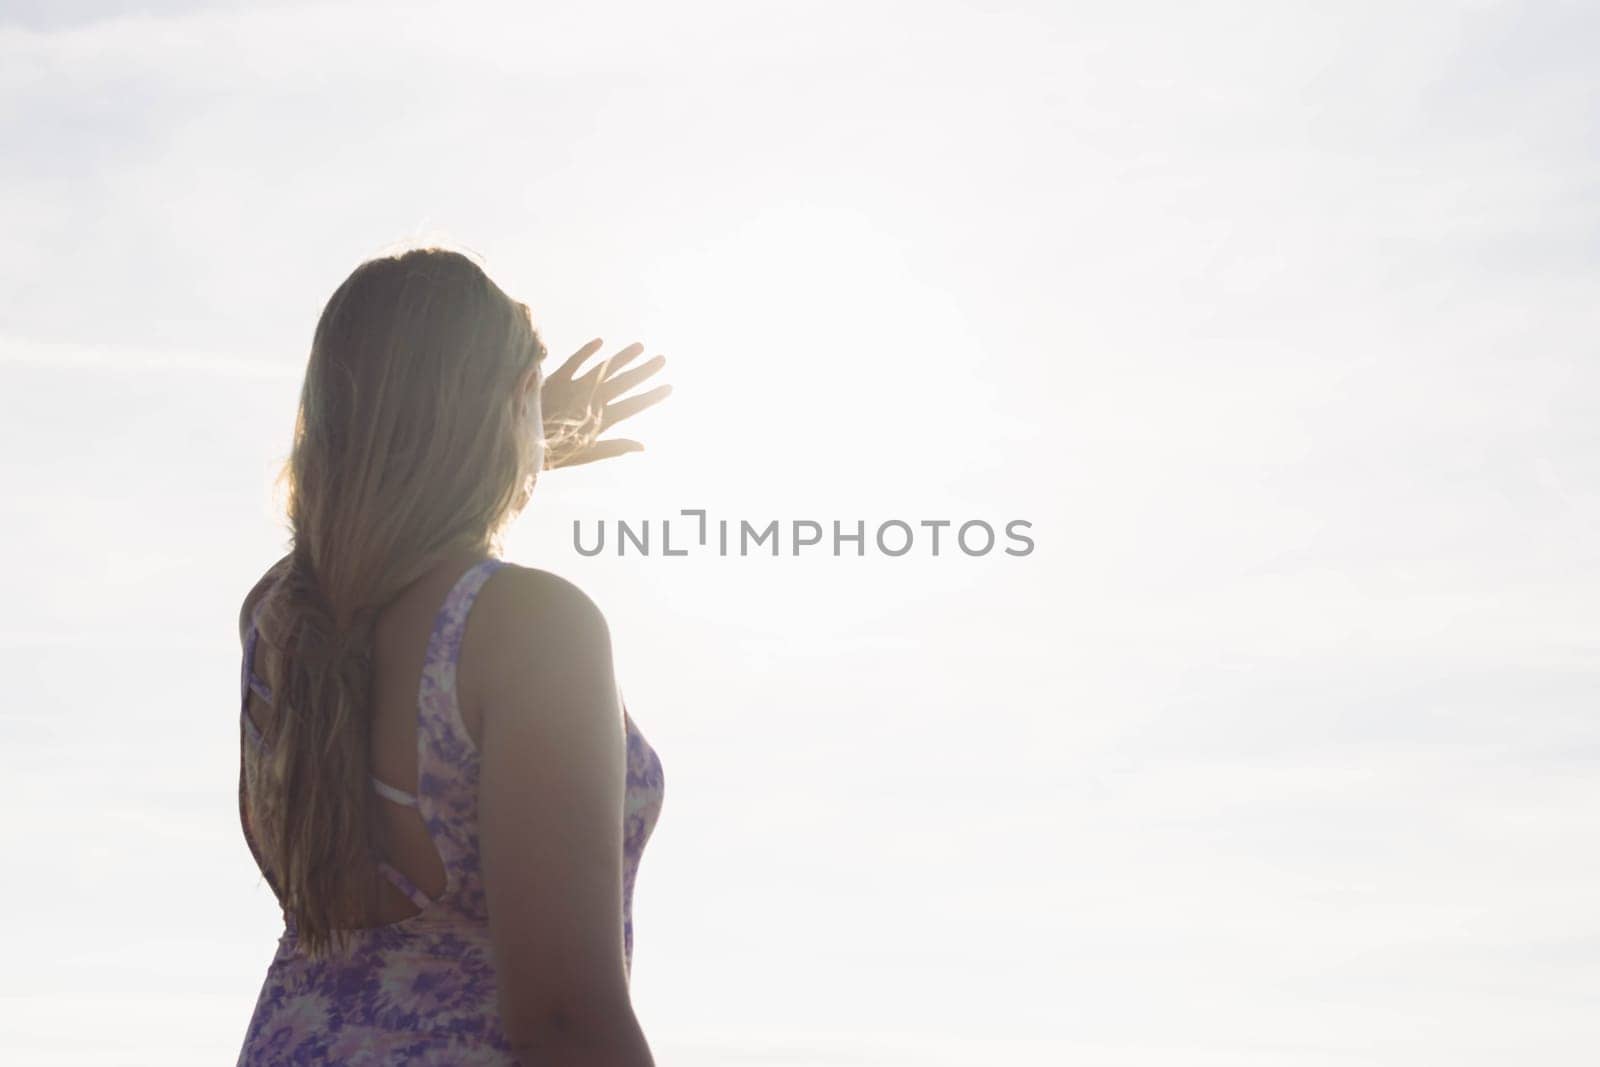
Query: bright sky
{"x": 1276, "y": 320}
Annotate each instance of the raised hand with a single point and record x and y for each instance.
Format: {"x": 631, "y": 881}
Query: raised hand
{"x": 578, "y": 409}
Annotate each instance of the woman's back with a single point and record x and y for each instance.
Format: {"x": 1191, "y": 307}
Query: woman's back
{"x": 417, "y": 982}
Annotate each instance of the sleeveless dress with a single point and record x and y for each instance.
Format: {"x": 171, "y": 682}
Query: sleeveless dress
{"x": 422, "y": 990}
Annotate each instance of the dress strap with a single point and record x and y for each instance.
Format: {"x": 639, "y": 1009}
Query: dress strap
{"x": 404, "y": 884}
{"x": 246, "y": 676}
{"x": 249, "y": 683}
{"x": 444, "y": 649}
{"x": 444, "y": 644}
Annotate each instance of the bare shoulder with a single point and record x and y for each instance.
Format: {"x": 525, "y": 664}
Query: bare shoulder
{"x": 257, "y": 592}
{"x": 537, "y": 629}
{"x": 527, "y": 595}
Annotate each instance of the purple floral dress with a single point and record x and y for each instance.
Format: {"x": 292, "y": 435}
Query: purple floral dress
{"x": 422, "y": 990}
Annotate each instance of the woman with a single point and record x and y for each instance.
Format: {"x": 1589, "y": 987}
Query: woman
{"x": 437, "y": 776}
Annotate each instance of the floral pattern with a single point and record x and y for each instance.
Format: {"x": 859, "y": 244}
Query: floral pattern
{"x": 422, "y": 990}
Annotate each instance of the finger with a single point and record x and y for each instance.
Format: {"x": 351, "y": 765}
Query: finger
{"x": 615, "y": 387}
{"x": 621, "y": 359}
{"x": 604, "y": 450}
{"x": 574, "y": 361}
{"x": 595, "y": 376}
{"x": 623, "y": 409}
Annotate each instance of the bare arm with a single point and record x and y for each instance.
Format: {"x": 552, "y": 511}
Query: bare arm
{"x": 550, "y": 799}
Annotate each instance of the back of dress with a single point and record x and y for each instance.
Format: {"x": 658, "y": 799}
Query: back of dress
{"x": 422, "y": 990}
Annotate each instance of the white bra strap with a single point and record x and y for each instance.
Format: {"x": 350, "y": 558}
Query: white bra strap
{"x": 389, "y": 792}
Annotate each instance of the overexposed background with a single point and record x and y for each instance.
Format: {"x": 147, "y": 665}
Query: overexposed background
{"x": 1277, "y": 320}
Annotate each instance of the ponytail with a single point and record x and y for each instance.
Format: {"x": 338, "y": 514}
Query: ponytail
{"x": 314, "y": 822}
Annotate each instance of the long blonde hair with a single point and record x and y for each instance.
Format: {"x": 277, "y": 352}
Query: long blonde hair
{"x": 406, "y": 448}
